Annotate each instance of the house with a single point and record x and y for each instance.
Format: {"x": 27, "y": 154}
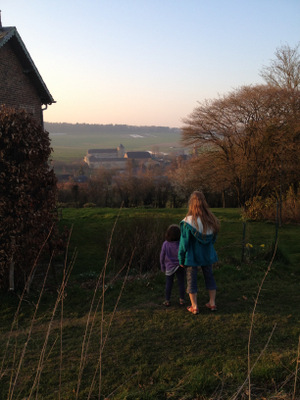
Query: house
{"x": 117, "y": 152}
{"x": 106, "y": 158}
{"x": 21, "y": 85}
{"x": 138, "y": 155}
{"x": 115, "y": 158}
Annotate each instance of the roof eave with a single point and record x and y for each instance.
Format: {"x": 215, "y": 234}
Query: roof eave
{"x": 28, "y": 64}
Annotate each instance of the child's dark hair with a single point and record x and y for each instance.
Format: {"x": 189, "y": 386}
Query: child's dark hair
{"x": 173, "y": 233}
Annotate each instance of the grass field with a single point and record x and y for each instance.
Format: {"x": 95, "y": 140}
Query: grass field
{"x": 73, "y": 147}
{"x": 116, "y": 340}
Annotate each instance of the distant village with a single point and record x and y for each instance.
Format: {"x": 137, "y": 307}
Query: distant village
{"x": 116, "y": 158}
{"x": 119, "y": 159}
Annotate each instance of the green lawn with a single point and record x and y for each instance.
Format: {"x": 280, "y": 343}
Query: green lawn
{"x": 153, "y": 352}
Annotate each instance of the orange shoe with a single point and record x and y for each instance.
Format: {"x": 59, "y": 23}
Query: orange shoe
{"x": 193, "y": 310}
{"x": 212, "y": 308}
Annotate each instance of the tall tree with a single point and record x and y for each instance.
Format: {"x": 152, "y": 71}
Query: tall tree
{"x": 255, "y": 132}
{"x": 284, "y": 69}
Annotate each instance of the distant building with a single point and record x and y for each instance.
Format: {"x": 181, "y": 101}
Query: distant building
{"x": 21, "y": 85}
{"x": 107, "y": 158}
{"x": 138, "y": 155}
{"x": 115, "y": 158}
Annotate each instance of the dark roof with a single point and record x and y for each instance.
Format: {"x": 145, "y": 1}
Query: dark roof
{"x": 11, "y": 35}
{"x": 138, "y": 154}
{"x": 94, "y": 151}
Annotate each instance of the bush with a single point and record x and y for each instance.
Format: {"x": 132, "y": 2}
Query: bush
{"x": 89, "y": 205}
{"x": 260, "y": 208}
{"x": 28, "y": 192}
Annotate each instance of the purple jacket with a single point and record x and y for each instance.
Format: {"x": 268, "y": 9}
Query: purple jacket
{"x": 169, "y": 256}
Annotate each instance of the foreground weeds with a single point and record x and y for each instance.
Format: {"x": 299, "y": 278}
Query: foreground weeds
{"x": 104, "y": 333}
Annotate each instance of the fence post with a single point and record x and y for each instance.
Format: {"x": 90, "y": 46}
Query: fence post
{"x": 12, "y": 266}
{"x": 243, "y": 242}
{"x": 276, "y": 221}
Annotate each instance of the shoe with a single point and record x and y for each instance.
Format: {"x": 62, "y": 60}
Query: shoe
{"x": 166, "y": 303}
{"x": 212, "y": 308}
{"x": 193, "y": 310}
{"x": 181, "y": 302}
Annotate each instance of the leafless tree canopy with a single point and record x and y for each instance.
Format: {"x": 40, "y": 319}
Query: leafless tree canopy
{"x": 251, "y": 137}
{"x": 284, "y": 70}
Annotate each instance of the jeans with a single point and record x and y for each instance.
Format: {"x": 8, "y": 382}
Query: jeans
{"x": 180, "y": 279}
{"x": 191, "y": 276}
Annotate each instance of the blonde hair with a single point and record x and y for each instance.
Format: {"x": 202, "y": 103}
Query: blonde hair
{"x": 198, "y": 207}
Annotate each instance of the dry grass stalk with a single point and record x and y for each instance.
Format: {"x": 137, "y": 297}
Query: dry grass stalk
{"x": 118, "y": 387}
{"x": 86, "y": 337}
{"x": 88, "y": 328}
{"x": 11, "y": 392}
{"x": 25, "y": 289}
{"x": 254, "y": 364}
{"x": 252, "y": 318}
{"x": 296, "y": 372}
{"x": 101, "y": 327}
{"x": 62, "y": 312}
{"x": 13, "y": 366}
{"x": 35, "y": 385}
{"x": 103, "y": 341}
{"x": 250, "y": 369}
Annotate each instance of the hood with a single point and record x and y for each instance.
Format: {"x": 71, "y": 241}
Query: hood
{"x": 202, "y": 238}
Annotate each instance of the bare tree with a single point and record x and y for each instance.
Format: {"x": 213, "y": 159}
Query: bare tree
{"x": 284, "y": 70}
{"x": 254, "y": 134}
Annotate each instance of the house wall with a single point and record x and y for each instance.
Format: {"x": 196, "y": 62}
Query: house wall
{"x": 118, "y": 164}
{"x": 104, "y": 155}
{"x": 16, "y": 89}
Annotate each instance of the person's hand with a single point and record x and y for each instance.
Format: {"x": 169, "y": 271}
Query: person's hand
{"x": 182, "y": 266}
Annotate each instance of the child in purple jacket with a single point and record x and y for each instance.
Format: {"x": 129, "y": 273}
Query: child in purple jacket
{"x": 169, "y": 263}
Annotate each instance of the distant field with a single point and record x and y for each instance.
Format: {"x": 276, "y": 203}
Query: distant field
{"x": 70, "y": 147}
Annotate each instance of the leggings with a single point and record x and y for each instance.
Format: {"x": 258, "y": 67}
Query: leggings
{"x": 180, "y": 279}
{"x": 191, "y": 276}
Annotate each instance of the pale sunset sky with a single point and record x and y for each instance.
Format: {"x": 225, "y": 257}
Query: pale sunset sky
{"x": 148, "y": 62}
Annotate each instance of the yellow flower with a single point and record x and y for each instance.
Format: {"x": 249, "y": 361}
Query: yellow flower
{"x": 262, "y": 245}
{"x": 249, "y": 246}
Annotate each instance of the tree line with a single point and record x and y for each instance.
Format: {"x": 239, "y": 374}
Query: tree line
{"x": 136, "y": 186}
{"x": 79, "y": 128}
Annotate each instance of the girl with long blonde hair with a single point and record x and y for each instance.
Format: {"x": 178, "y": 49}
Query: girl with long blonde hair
{"x": 199, "y": 230}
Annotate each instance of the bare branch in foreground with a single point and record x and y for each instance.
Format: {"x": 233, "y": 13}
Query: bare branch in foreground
{"x": 250, "y": 369}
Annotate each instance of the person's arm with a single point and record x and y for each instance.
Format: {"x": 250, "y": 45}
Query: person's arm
{"x": 182, "y": 245}
{"x": 162, "y": 258}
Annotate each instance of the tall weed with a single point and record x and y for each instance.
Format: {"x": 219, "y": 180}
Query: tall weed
{"x": 143, "y": 235}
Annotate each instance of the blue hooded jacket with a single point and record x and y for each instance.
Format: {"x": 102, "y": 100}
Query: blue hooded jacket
{"x": 195, "y": 248}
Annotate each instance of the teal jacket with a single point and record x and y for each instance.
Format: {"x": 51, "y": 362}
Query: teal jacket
{"x": 195, "y": 248}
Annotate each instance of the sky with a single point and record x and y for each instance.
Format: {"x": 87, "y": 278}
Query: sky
{"x": 148, "y": 62}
